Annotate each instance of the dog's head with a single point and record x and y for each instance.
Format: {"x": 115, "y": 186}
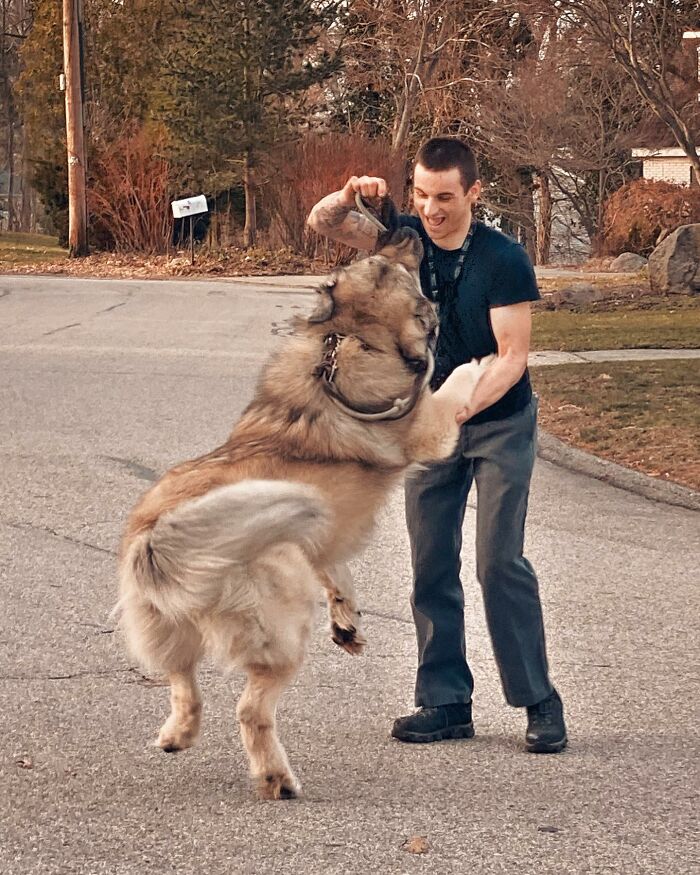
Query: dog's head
{"x": 388, "y": 326}
{"x": 379, "y": 299}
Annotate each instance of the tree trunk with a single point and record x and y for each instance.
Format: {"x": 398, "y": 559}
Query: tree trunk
{"x": 251, "y": 227}
{"x": 543, "y": 232}
{"x": 11, "y": 211}
{"x": 402, "y": 126}
{"x": 526, "y": 212}
{"x": 25, "y": 215}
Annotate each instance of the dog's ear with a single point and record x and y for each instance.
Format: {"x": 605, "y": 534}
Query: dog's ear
{"x": 325, "y": 304}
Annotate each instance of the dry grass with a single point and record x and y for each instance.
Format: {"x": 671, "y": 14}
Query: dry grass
{"x": 228, "y": 262}
{"x": 655, "y": 326}
{"x": 18, "y": 249}
{"x": 642, "y": 415}
{"x": 626, "y": 315}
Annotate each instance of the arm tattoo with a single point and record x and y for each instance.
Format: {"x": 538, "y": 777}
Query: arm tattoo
{"x": 332, "y": 215}
{"x": 342, "y": 223}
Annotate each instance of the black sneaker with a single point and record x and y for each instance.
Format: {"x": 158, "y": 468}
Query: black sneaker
{"x": 435, "y": 724}
{"x": 546, "y": 731}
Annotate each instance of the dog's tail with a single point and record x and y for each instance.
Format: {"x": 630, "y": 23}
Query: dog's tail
{"x": 184, "y": 564}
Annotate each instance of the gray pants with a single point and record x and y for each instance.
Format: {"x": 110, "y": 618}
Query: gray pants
{"x": 499, "y": 456}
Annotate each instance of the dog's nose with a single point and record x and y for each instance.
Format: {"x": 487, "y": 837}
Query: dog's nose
{"x": 409, "y": 238}
{"x": 403, "y": 246}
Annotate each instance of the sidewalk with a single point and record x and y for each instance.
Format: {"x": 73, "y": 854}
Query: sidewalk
{"x": 295, "y": 281}
{"x": 544, "y": 357}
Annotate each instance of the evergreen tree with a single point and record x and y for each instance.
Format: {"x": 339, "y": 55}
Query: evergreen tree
{"x": 234, "y": 76}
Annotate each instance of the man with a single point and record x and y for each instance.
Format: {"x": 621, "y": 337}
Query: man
{"x": 482, "y": 282}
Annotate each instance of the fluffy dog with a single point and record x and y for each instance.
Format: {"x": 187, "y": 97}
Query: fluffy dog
{"x": 227, "y": 553}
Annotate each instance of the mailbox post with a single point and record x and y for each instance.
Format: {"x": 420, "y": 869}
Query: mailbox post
{"x": 190, "y": 206}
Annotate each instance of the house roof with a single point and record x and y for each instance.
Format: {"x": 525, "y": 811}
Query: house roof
{"x": 661, "y": 152}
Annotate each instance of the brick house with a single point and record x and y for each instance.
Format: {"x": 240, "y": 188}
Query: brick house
{"x": 669, "y": 163}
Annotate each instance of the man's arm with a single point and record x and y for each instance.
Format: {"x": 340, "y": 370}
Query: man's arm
{"x": 335, "y": 217}
{"x": 511, "y": 328}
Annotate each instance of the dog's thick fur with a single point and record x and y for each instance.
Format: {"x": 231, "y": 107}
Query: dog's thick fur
{"x": 227, "y": 553}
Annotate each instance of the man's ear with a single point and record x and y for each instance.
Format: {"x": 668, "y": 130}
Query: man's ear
{"x": 475, "y": 192}
{"x": 325, "y": 304}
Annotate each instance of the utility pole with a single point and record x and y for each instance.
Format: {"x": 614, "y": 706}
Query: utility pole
{"x": 75, "y": 134}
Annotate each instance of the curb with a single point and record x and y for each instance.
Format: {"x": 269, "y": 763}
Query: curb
{"x": 551, "y": 449}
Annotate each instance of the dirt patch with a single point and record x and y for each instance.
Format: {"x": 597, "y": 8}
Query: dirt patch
{"x": 645, "y": 416}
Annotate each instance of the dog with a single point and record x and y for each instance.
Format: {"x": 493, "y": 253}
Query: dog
{"x": 228, "y": 552}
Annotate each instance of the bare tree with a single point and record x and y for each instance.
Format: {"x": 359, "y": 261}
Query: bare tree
{"x": 411, "y": 52}
{"x": 555, "y": 124}
{"x": 643, "y": 37}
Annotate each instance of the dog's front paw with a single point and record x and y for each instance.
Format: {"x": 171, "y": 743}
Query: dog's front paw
{"x": 278, "y": 785}
{"x": 352, "y": 640}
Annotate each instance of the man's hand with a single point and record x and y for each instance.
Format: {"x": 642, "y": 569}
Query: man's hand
{"x": 464, "y": 414}
{"x": 368, "y": 187}
{"x": 335, "y": 216}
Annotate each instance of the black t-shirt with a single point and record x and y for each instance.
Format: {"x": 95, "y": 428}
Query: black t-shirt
{"x": 496, "y": 272}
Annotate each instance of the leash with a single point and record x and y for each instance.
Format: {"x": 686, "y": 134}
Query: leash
{"x": 362, "y": 207}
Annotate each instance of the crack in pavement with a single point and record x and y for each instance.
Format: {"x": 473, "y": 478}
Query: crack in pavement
{"x": 113, "y": 307}
{"x": 62, "y": 328}
{"x": 48, "y": 531}
{"x": 66, "y": 677}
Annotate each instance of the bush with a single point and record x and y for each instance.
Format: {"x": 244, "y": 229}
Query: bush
{"x": 129, "y": 194}
{"x": 636, "y": 214}
{"x": 314, "y": 167}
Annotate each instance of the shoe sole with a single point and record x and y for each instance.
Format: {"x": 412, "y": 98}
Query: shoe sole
{"x": 548, "y": 747}
{"x": 465, "y": 730}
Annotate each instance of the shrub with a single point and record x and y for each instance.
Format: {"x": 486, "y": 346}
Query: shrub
{"x": 128, "y": 195}
{"x": 636, "y": 214}
{"x": 314, "y": 167}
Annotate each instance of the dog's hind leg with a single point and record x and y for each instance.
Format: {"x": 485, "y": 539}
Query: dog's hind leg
{"x": 344, "y": 613}
{"x": 181, "y": 729}
{"x": 256, "y": 712}
{"x": 173, "y": 648}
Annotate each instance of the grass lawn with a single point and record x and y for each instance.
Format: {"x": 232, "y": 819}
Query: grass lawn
{"x": 17, "y": 249}
{"x": 659, "y": 322}
{"x": 642, "y": 415}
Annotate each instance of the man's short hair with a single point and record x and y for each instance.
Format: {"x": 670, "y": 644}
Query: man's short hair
{"x": 444, "y": 153}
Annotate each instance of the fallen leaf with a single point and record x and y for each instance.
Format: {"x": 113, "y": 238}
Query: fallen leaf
{"x": 416, "y": 845}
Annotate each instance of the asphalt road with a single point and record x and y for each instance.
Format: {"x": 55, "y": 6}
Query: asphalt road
{"x": 105, "y": 384}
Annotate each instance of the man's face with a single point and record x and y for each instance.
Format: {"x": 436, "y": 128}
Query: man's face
{"x": 442, "y": 204}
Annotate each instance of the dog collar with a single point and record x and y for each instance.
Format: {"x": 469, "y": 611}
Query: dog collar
{"x": 328, "y": 367}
